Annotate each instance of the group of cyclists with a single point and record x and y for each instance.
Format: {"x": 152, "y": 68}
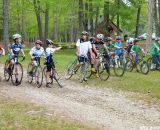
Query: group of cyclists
{"x": 86, "y": 48}
{"x": 92, "y": 48}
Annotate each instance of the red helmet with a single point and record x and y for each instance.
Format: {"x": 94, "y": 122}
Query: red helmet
{"x": 39, "y": 42}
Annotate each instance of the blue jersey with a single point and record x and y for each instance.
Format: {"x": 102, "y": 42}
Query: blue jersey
{"x": 16, "y": 48}
{"x": 49, "y": 54}
{"x": 118, "y": 51}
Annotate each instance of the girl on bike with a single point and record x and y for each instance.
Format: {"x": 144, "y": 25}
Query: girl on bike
{"x": 36, "y": 53}
{"x": 15, "y": 49}
{"x": 49, "y": 59}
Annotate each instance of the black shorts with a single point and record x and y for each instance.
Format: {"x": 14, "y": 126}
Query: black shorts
{"x": 82, "y": 59}
{"x": 50, "y": 66}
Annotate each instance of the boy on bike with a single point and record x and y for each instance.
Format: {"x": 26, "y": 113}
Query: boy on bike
{"x": 15, "y": 49}
{"x": 36, "y": 53}
{"x": 98, "y": 47}
{"x": 83, "y": 47}
{"x": 136, "y": 50}
{"x": 156, "y": 51}
{"x": 49, "y": 59}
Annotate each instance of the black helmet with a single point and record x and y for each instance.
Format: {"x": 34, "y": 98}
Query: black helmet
{"x": 49, "y": 42}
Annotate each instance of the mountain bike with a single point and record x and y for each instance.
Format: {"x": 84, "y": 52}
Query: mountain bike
{"x": 15, "y": 71}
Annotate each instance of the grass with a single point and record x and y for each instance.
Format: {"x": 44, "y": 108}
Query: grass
{"x": 23, "y": 116}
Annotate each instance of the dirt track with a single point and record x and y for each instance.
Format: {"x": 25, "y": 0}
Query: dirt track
{"x": 97, "y": 107}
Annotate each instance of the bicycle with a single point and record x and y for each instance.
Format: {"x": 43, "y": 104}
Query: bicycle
{"x": 53, "y": 75}
{"x": 70, "y": 71}
{"x": 141, "y": 65}
{"x": 35, "y": 73}
{"x": 103, "y": 68}
{"x": 15, "y": 72}
{"x": 118, "y": 63}
{"x": 153, "y": 65}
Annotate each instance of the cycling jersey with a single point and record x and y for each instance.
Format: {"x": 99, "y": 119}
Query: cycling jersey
{"x": 136, "y": 48}
{"x": 118, "y": 46}
{"x": 16, "y": 48}
{"x": 155, "y": 50}
{"x": 49, "y": 54}
{"x": 37, "y": 52}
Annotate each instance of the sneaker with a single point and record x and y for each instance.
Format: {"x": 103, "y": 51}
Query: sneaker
{"x": 93, "y": 70}
{"x": 97, "y": 75}
{"x": 37, "y": 82}
{"x": 31, "y": 73}
{"x": 48, "y": 86}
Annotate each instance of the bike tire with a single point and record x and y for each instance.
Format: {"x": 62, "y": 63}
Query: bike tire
{"x": 38, "y": 73}
{"x": 6, "y": 74}
{"x": 30, "y": 78}
{"x": 144, "y": 68}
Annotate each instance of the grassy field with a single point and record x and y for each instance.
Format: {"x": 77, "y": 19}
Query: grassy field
{"x": 23, "y": 116}
{"x": 131, "y": 81}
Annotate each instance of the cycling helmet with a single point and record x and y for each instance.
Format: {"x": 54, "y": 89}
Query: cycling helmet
{"x": 131, "y": 40}
{"x": 157, "y": 39}
{"x": 100, "y": 36}
{"x": 49, "y": 41}
{"x": 84, "y": 33}
{"x": 118, "y": 38}
{"x": 39, "y": 42}
{"x": 15, "y": 36}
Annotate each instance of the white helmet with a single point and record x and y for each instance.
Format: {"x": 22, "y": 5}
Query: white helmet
{"x": 131, "y": 40}
{"x": 100, "y": 36}
{"x": 15, "y": 36}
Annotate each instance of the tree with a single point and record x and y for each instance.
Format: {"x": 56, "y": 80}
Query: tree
{"x": 5, "y": 24}
{"x": 150, "y": 23}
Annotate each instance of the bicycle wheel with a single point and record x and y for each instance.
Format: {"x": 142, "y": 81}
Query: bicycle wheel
{"x": 103, "y": 71}
{"x": 88, "y": 71}
{"x": 17, "y": 74}
{"x": 138, "y": 65}
{"x": 70, "y": 68}
{"x": 83, "y": 72}
{"x": 129, "y": 66}
{"x": 29, "y": 76}
{"x": 144, "y": 68}
{"x": 151, "y": 65}
{"x": 50, "y": 77}
{"x": 57, "y": 78}
{"x": 38, "y": 76}
{"x": 119, "y": 68}
{"x": 6, "y": 73}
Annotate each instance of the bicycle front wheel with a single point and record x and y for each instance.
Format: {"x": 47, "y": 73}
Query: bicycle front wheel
{"x": 38, "y": 76}
{"x": 17, "y": 74}
{"x": 103, "y": 71}
{"x": 6, "y": 72}
{"x": 144, "y": 68}
{"x": 29, "y": 75}
{"x": 119, "y": 68}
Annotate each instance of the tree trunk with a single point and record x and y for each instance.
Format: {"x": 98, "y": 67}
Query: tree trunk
{"x": 97, "y": 15}
{"x": 56, "y": 28}
{"x": 106, "y": 15}
{"x": 24, "y": 34}
{"x": 137, "y": 21}
{"x": 81, "y": 16}
{"x": 5, "y": 24}
{"x": 38, "y": 16}
{"x": 86, "y": 16}
{"x": 91, "y": 17}
{"x": 118, "y": 6}
{"x": 150, "y": 24}
{"x": 46, "y": 20}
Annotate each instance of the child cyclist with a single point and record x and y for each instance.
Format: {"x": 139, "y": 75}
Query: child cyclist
{"x": 15, "y": 49}
{"x": 136, "y": 50}
{"x": 49, "y": 59}
{"x": 156, "y": 51}
{"x": 36, "y": 53}
{"x": 83, "y": 47}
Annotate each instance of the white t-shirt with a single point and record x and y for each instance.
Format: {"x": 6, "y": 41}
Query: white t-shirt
{"x": 37, "y": 52}
{"x": 84, "y": 47}
{"x": 50, "y": 51}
